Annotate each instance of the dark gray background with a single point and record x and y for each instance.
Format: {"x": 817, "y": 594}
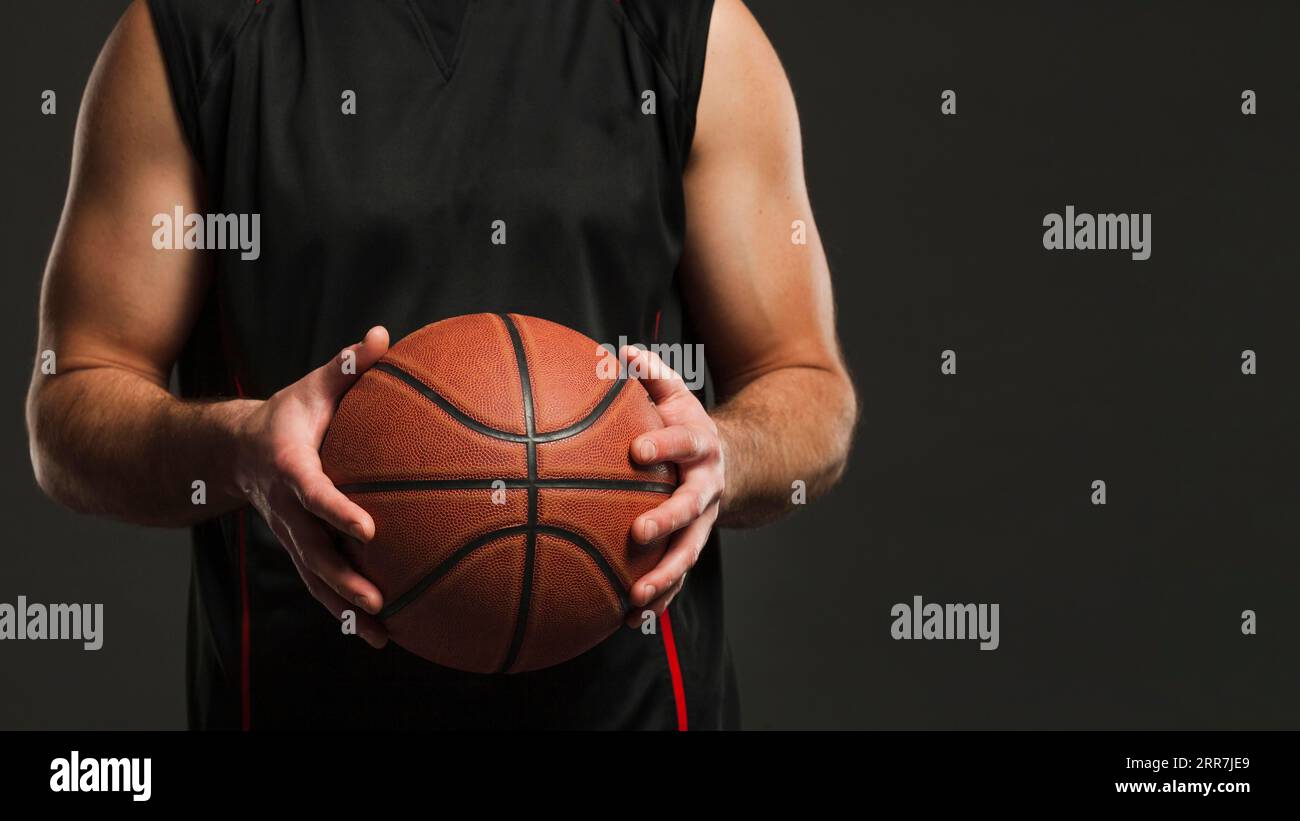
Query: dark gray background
{"x": 973, "y": 488}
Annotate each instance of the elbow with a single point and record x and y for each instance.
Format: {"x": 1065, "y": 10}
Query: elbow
{"x": 39, "y": 446}
{"x": 46, "y": 472}
{"x": 43, "y": 434}
{"x": 844, "y": 413}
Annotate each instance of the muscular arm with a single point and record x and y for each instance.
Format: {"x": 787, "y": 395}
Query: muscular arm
{"x": 763, "y": 303}
{"x": 106, "y": 436}
{"x": 764, "y": 308}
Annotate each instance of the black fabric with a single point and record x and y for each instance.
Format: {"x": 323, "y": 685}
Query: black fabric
{"x": 523, "y": 112}
{"x": 444, "y": 19}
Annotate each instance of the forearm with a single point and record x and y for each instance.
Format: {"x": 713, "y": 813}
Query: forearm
{"x": 107, "y": 441}
{"x": 790, "y": 425}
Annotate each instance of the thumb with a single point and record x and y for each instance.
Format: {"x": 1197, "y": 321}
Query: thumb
{"x": 331, "y": 380}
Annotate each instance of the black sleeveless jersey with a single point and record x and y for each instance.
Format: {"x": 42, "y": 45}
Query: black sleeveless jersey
{"x": 388, "y": 147}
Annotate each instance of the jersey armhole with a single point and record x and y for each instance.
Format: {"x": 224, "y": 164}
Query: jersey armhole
{"x": 693, "y": 75}
{"x": 677, "y": 36}
{"x": 193, "y": 37}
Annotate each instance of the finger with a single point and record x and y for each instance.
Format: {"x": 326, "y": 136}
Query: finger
{"x": 334, "y": 377}
{"x": 369, "y": 628}
{"x": 675, "y": 443}
{"x": 687, "y": 503}
{"x": 372, "y": 630}
{"x": 317, "y": 551}
{"x": 316, "y": 493}
{"x": 681, "y": 556}
{"x": 660, "y": 381}
{"x": 658, "y": 606}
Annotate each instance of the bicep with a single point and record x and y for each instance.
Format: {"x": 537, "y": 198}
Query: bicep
{"x": 109, "y": 298}
{"x": 763, "y": 298}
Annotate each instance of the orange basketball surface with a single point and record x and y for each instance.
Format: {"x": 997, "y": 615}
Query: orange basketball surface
{"x": 492, "y": 451}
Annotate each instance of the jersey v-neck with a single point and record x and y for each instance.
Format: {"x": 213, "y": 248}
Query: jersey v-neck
{"x": 444, "y": 23}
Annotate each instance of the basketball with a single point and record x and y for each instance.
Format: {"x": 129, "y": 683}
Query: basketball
{"x": 492, "y": 451}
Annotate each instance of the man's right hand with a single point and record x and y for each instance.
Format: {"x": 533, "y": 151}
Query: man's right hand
{"x": 278, "y": 470}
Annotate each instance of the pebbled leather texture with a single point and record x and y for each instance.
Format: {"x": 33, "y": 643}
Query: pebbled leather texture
{"x": 521, "y": 576}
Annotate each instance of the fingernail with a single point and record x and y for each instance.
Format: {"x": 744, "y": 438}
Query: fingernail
{"x": 647, "y": 450}
{"x": 650, "y": 529}
{"x": 649, "y": 593}
{"x": 364, "y": 603}
{"x": 358, "y": 531}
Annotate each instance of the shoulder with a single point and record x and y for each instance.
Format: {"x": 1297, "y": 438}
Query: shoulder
{"x": 746, "y": 102}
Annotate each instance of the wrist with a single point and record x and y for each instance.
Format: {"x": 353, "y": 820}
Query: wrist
{"x": 727, "y": 448}
{"x": 234, "y": 448}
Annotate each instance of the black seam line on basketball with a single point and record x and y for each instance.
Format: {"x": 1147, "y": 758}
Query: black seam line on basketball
{"x": 478, "y": 427}
{"x": 588, "y": 420}
{"x": 451, "y": 561}
{"x": 438, "y": 399}
{"x": 513, "y": 484}
{"x": 587, "y": 547}
{"x": 525, "y": 599}
{"x": 525, "y": 384}
{"x": 396, "y": 605}
{"x": 530, "y": 439}
{"x": 530, "y": 548}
